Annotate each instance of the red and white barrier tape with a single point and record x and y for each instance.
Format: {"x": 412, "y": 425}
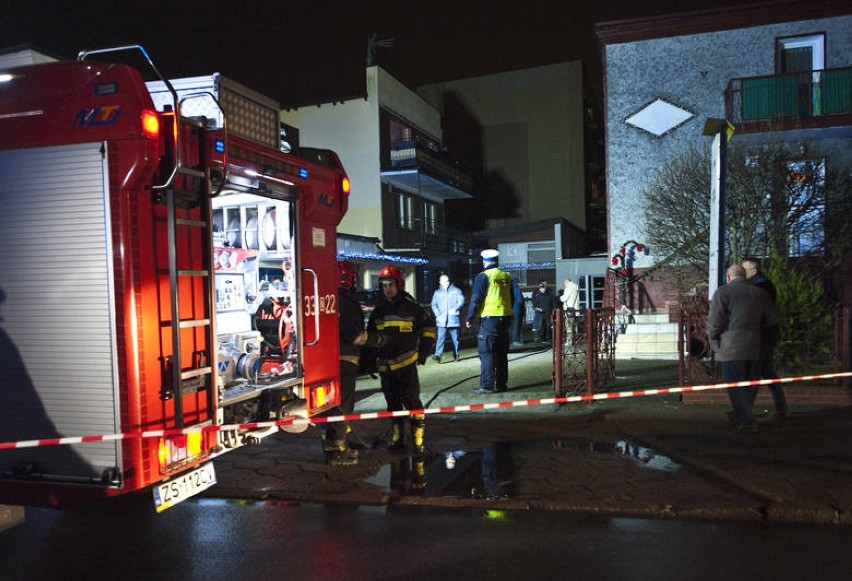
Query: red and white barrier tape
{"x": 404, "y": 413}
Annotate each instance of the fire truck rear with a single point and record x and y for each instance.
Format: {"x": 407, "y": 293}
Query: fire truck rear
{"x": 167, "y": 280}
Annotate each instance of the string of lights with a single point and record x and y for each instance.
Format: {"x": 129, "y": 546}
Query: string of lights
{"x": 528, "y": 266}
{"x": 383, "y": 258}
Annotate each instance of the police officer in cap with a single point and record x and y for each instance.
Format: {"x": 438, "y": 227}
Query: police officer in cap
{"x": 493, "y": 301}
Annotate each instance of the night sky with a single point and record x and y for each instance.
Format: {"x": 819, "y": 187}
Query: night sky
{"x": 303, "y": 52}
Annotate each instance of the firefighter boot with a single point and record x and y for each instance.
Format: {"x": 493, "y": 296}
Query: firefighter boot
{"x": 353, "y": 440}
{"x": 418, "y": 475}
{"x": 397, "y": 439}
{"x": 337, "y": 453}
{"x": 418, "y": 434}
{"x": 342, "y": 456}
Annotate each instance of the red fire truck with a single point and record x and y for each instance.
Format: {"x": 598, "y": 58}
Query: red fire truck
{"x": 168, "y": 278}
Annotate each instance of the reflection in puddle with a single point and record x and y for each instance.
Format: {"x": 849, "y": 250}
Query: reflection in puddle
{"x": 643, "y": 456}
{"x": 488, "y": 472}
{"x": 480, "y": 474}
{"x": 646, "y": 456}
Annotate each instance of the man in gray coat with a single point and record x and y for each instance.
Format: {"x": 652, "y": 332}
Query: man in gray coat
{"x": 741, "y": 314}
{"x": 446, "y": 304}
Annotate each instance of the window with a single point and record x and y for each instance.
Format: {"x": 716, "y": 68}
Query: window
{"x": 801, "y": 203}
{"x": 459, "y": 246}
{"x": 591, "y": 291}
{"x": 404, "y": 211}
{"x": 801, "y": 53}
{"x": 797, "y": 92}
{"x": 430, "y": 220}
{"x": 541, "y": 251}
{"x": 806, "y": 216}
{"x": 398, "y": 131}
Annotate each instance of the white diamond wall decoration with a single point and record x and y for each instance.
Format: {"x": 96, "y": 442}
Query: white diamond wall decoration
{"x": 659, "y": 117}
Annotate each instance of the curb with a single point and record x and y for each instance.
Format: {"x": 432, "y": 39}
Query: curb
{"x": 771, "y": 513}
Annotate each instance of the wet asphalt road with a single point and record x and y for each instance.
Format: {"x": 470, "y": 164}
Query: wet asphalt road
{"x": 214, "y": 539}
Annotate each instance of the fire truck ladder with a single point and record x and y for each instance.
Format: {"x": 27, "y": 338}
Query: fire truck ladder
{"x": 184, "y": 282}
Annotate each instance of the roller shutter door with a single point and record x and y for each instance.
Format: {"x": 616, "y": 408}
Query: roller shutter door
{"x": 58, "y": 364}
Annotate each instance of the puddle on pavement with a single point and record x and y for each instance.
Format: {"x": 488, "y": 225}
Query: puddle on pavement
{"x": 641, "y": 455}
{"x": 488, "y": 473}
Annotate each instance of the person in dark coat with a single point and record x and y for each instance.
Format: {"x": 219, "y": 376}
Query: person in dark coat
{"x": 740, "y": 313}
{"x": 519, "y": 315}
{"x": 767, "y": 369}
{"x": 542, "y": 302}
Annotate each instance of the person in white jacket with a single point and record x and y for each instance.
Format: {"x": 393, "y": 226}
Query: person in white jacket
{"x": 446, "y": 304}
{"x": 570, "y": 296}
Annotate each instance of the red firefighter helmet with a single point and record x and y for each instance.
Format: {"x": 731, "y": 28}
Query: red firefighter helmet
{"x": 393, "y": 273}
{"x": 346, "y": 274}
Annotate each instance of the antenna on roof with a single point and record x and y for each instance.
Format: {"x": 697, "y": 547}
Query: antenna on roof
{"x": 373, "y": 43}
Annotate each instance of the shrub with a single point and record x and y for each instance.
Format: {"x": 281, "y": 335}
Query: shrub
{"x": 806, "y": 321}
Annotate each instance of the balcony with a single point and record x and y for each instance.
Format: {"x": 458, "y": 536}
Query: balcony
{"x": 421, "y": 170}
{"x": 800, "y": 100}
{"x": 426, "y": 235}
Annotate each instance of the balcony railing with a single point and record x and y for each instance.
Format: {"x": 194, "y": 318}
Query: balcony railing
{"x": 412, "y": 154}
{"x": 428, "y": 235}
{"x": 810, "y": 99}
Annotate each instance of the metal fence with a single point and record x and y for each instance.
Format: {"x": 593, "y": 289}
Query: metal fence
{"x": 583, "y": 350}
{"x": 695, "y": 363}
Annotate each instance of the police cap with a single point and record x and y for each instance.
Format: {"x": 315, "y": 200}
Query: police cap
{"x": 490, "y": 255}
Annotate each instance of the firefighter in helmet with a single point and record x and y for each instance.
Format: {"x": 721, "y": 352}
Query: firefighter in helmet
{"x": 409, "y": 337}
{"x": 340, "y": 443}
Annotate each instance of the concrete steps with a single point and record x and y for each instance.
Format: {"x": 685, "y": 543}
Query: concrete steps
{"x": 647, "y": 336}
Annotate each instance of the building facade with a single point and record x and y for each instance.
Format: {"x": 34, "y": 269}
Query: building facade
{"x": 390, "y": 142}
{"x": 518, "y": 160}
{"x": 530, "y": 124}
{"x": 776, "y": 69}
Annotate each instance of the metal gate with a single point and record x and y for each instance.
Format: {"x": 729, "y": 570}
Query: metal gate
{"x": 583, "y": 350}
{"x": 694, "y": 363}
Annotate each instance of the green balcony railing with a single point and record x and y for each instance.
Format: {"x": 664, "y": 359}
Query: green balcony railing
{"x": 799, "y": 96}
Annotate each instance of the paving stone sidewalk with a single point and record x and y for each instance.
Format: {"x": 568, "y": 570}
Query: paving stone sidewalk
{"x": 649, "y": 456}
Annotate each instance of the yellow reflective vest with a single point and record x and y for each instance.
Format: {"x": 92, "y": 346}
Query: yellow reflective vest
{"x": 498, "y": 297}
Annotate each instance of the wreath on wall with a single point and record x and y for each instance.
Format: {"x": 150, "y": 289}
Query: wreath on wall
{"x": 622, "y": 265}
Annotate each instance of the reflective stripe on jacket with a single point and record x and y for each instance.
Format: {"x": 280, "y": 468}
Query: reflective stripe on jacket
{"x": 407, "y": 330}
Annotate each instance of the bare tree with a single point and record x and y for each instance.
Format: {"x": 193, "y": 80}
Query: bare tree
{"x": 783, "y": 202}
{"x": 677, "y": 216}
{"x": 782, "y": 199}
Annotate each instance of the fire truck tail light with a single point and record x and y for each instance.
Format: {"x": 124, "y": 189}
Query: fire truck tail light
{"x": 179, "y": 449}
{"x": 344, "y": 185}
{"x": 193, "y": 444}
{"x": 320, "y": 395}
{"x": 150, "y": 124}
{"x": 323, "y": 394}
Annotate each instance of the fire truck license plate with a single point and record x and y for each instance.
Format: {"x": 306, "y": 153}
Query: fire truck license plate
{"x": 178, "y": 489}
